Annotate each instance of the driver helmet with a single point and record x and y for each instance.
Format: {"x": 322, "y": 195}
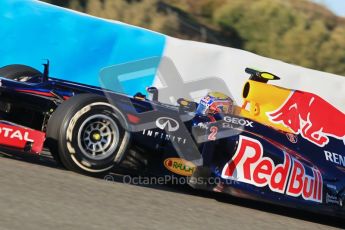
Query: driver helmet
{"x": 213, "y": 103}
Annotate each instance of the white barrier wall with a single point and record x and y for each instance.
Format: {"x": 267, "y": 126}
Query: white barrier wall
{"x": 195, "y": 60}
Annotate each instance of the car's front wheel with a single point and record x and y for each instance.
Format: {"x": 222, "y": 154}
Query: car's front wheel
{"x": 19, "y": 72}
{"x": 87, "y": 134}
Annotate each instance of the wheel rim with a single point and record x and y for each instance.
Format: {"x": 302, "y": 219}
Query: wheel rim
{"x": 98, "y": 137}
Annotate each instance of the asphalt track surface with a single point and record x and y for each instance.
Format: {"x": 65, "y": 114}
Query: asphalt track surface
{"x": 36, "y": 194}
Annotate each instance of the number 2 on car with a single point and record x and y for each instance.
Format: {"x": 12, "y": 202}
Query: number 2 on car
{"x": 213, "y": 134}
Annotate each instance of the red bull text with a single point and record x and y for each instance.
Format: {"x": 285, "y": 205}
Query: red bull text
{"x": 248, "y": 165}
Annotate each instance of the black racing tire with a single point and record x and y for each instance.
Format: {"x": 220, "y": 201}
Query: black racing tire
{"x": 19, "y": 72}
{"x": 75, "y": 124}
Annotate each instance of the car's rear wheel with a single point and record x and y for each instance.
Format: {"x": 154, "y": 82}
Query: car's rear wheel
{"x": 87, "y": 134}
{"x": 19, "y": 72}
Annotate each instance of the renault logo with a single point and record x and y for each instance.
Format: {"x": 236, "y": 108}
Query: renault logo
{"x": 167, "y": 123}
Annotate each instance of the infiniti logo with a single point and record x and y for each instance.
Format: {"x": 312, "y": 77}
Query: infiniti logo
{"x": 171, "y": 124}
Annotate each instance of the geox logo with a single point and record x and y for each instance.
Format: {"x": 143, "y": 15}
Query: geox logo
{"x": 237, "y": 121}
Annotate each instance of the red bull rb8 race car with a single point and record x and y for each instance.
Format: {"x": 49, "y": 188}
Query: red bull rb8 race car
{"x": 280, "y": 146}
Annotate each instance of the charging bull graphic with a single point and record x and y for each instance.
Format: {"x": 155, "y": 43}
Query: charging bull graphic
{"x": 311, "y": 116}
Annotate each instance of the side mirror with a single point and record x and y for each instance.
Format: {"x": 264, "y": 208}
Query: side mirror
{"x": 152, "y": 93}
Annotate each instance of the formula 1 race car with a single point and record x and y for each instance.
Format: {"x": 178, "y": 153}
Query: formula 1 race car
{"x": 281, "y": 146}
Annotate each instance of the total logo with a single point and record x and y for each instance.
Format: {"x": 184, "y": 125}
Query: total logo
{"x": 179, "y": 166}
{"x": 15, "y": 134}
{"x": 249, "y": 165}
{"x": 236, "y": 121}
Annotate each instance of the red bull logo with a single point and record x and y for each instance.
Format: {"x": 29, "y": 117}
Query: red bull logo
{"x": 248, "y": 165}
{"x": 311, "y": 116}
